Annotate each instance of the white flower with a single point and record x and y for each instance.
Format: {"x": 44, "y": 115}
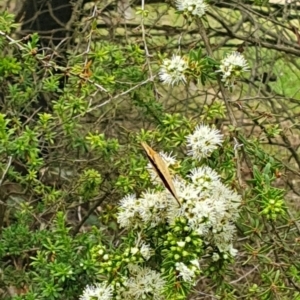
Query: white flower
{"x": 143, "y": 282}
{"x": 203, "y": 177}
{"x": 223, "y": 235}
{"x": 202, "y": 216}
{"x": 190, "y": 195}
{"x": 232, "y": 66}
{"x": 185, "y": 190}
{"x": 181, "y": 244}
{"x": 99, "y": 291}
{"x": 235, "y": 59}
{"x": 153, "y": 175}
{"x": 129, "y": 212}
{"x": 193, "y": 7}
{"x": 203, "y": 141}
{"x": 145, "y": 251}
{"x": 172, "y": 70}
{"x": 185, "y": 272}
{"x": 150, "y": 209}
{"x": 134, "y": 250}
{"x": 233, "y": 251}
{"x": 153, "y": 207}
{"x": 230, "y": 198}
{"x": 208, "y": 207}
{"x": 215, "y": 256}
{"x": 195, "y": 263}
{"x": 168, "y": 158}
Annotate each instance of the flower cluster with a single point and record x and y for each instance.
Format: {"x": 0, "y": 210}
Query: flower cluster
{"x": 204, "y": 220}
{"x": 144, "y": 250}
{"x": 188, "y": 273}
{"x": 208, "y": 206}
{"x": 203, "y": 141}
{"x": 192, "y": 7}
{"x": 99, "y": 291}
{"x": 143, "y": 283}
{"x": 172, "y": 71}
{"x": 150, "y": 209}
{"x": 232, "y": 66}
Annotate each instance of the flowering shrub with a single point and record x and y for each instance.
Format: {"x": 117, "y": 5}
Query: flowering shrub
{"x": 85, "y": 215}
{"x": 176, "y": 236}
{"x": 178, "y": 69}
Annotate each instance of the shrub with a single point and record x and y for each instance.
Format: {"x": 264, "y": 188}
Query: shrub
{"x": 85, "y": 214}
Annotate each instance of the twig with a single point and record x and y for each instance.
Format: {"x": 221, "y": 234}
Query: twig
{"x": 225, "y": 97}
{"x": 224, "y": 93}
{"x": 6, "y": 169}
{"x": 147, "y": 56}
{"x": 245, "y": 275}
{"x": 121, "y": 94}
{"x": 91, "y": 210}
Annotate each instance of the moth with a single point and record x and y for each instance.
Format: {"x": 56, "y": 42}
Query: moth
{"x": 161, "y": 170}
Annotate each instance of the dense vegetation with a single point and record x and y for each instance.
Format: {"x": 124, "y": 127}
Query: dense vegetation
{"x": 84, "y": 209}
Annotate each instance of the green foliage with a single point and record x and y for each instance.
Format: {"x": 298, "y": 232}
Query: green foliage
{"x": 7, "y": 22}
{"x": 58, "y": 260}
{"x": 202, "y": 67}
{"x": 46, "y": 169}
{"x": 67, "y": 161}
{"x": 89, "y": 183}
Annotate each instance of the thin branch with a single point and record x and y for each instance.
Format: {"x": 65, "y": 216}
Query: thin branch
{"x": 6, "y": 169}
{"x": 91, "y": 210}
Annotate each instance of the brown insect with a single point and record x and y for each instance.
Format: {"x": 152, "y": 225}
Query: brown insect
{"x": 161, "y": 170}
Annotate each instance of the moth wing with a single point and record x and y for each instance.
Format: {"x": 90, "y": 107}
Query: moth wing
{"x": 161, "y": 169}
{"x": 164, "y": 170}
